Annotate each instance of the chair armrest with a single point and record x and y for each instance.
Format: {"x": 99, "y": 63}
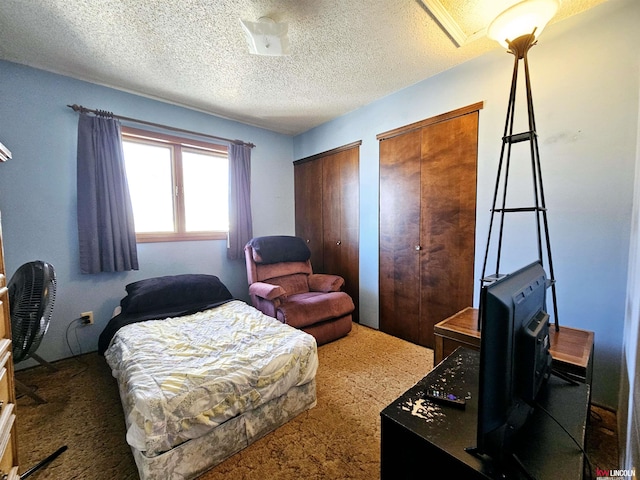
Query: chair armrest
{"x": 267, "y": 290}
{"x": 322, "y": 282}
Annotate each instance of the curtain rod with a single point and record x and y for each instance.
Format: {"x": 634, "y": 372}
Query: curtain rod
{"x": 80, "y": 108}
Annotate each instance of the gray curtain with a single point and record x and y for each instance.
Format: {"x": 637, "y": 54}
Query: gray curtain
{"x": 105, "y": 218}
{"x": 240, "y": 222}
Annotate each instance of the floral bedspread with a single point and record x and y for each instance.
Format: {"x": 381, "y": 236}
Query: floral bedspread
{"x": 181, "y": 377}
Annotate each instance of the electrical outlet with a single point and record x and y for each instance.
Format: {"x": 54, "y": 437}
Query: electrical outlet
{"x": 86, "y": 318}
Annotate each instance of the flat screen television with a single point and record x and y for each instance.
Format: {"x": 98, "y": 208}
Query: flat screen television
{"x": 514, "y": 357}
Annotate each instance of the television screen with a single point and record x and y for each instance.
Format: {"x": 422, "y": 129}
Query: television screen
{"x": 514, "y": 356}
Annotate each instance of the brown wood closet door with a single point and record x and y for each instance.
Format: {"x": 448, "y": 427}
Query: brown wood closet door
{"x": 399, "y": 283}
{"x": 308, "y": 209}
{"x": 327, "y": 213}
{"x": 427, "y": 222}
{"x": 340, "y": 218}
{"x": 448, "y": 219}
{"x": 350, "y": 225}
{"x": 331, "y": 214}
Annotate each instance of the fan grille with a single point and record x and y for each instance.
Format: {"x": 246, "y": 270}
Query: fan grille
{"x": 32, "y": 291}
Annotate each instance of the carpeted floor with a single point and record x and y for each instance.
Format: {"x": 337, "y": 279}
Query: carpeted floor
{"x": 338, "y": 439}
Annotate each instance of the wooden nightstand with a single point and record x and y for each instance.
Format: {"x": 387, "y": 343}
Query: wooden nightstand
{"x": 570, "y": 348}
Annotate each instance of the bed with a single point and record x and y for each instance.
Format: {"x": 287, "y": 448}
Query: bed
{"x": 202, "y": 375}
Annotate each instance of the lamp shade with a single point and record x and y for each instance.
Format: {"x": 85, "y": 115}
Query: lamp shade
{"x": 527, "y": 17}
{"x": 266, "y": 37}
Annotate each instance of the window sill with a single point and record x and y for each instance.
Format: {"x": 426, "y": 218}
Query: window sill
{"x": 179, "y": 237}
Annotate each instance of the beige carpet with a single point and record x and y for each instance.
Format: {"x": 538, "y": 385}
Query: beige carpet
{"x": 338, "y": 439}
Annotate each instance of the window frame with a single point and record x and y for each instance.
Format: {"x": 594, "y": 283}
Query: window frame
{"x": 179, "y": 218}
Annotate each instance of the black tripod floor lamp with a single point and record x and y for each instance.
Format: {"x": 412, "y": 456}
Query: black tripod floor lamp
{"x": 517, "y": 29}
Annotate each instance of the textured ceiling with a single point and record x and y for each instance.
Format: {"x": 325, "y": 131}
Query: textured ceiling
{"x": 344, "y": 54}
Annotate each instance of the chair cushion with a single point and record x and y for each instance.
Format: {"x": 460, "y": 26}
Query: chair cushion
{"x": 306, "y": 309}
{"x": 264, "y": 273}
{"x": 292, "y": 284}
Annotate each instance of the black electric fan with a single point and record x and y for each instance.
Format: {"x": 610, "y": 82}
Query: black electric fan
{"x": 32, "y": 291}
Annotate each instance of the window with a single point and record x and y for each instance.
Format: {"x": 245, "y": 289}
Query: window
{"x": 179, "y": 187}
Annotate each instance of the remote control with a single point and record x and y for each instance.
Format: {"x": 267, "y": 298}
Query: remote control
{"x": 444, "y": 398}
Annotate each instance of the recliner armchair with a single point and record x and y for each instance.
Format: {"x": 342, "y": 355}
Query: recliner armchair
{"x": 282, "y": 285}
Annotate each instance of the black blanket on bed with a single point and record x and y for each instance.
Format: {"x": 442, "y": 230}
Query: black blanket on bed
{"x": 164, "y": 297}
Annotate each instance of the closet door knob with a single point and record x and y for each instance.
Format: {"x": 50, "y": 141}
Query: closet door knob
{"x": 338, "y": 243}
{"x": 418, "y": 247}
{"x": 308, "y": 241}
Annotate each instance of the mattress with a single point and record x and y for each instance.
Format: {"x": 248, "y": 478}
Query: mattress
{"x": 180, "y": 378}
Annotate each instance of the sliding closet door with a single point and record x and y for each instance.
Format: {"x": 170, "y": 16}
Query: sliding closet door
{"x": 340, "y": 213}
{"x": 308, "y": 209}
{"x": 327, "y": 193}
{"x": 400, "y": 159}
{"x": 427, "y": 223}
{"x": 448, "y": 220}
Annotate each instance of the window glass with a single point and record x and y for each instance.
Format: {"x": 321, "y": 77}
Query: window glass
{"x": 178, "y": 187}
{"x": 206, "y": 185}
{"x": 149, "y": 175}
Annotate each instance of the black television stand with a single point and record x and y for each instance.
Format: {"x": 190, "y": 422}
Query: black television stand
{"x": 423, "y": 440}
{"x": 564, "y": 377}
{"x": 506, "y": 472}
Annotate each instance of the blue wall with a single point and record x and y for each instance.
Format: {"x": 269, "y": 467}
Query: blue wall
{"x": 38, "y": 196}
{"x": 585, "y": 83}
